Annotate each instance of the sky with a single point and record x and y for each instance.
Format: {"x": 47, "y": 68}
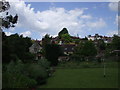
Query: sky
{"x": 80, "y": 18}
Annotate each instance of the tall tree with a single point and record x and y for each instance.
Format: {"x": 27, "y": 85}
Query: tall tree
{"x": 52, "y": 52}
{"x": 63, "y": 31}
{"x": 46, "y": 40}
{"x": 16, "y": 47}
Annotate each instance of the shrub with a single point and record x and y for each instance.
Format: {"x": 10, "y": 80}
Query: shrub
{"x": 14, "y": 78}
{"x": 14, "y": 57}
{"x": 18, "y": 74}
{"x": 37, "y": 72}
{"x": 28, "y": 57}
{"x": 44, "y": 63}
{"x": 11, "y": 80}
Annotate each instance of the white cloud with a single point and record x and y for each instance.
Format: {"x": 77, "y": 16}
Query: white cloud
{"x": 25, "y": 34}
{"x": 97, "y": 24}
{"x": 54, "y": 19}
{"x": 8, "y": 33}
{"x": 113, "y": 6}
{"x": 86, "y": 16}
{"x": 113, "y": 32}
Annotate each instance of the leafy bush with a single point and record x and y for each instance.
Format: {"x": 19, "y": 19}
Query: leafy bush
{"x": 37, "y": 72}
{"x": 11, "y": 80}
{"x": 13, "y": 77}
{"x": 14, "y": 57}
{"x": 44, "y": 63}
{"x": 18, "y": 74}
{"x": 76, "y": 57}
{"x": 28, "y": 57}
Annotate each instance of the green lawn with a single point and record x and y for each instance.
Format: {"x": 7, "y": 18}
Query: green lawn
{"x": 83, "y": 78}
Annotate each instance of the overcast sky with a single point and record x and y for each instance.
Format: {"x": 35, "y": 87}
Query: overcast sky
{"x": 83, "y": 18}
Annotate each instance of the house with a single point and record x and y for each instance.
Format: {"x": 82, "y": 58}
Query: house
{"x": 68, "y": 48}
{"x": 99, "y": 37}
{"x": 36, "y": 49}
{"x": 95, "y": 37}
{"x": 107, "y": 39}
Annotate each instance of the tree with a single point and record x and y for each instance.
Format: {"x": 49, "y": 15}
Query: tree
{"x": 4, "y": 6}
{"x": 116, "y": 42}
{"x": 8, "y": 20}
{"x": 101, "y": 46}
{"x": 52, "y": 52}
{"x": 66, "y": 38}
{"x": 46, "y": 40}
{"x": 114, "y": 45}
{"x": 63, "y": 31}
{"x": 16, "y": 47}
{"x": 86, "y": 50}
{"x": 76, "y": 41}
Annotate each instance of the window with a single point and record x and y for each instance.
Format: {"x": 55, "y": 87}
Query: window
{"x": 65, "y": 48}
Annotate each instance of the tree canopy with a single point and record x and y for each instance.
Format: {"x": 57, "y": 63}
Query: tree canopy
{"x": 8, "y": 20}
{"x": 86, "y": 49}
{"x": 116, "y": 42}
{"x": 66, "y": 38}
{"x": 15, "y": 47}
{"x": 63, "y": 31}
{"x": 52, "y": 52}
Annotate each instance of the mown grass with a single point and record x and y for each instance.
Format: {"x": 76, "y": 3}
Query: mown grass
{"x": 84, "y": 78}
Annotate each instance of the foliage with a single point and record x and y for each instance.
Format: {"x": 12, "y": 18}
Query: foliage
{"x": 11, "y": 80}
{"x": 9, "y": 20}
{"x": 77, "y": 57}
{"x": 46, "y": 40}
{"x": 52, "y": 52}
{"x": 77, "y": 41}
{"x": 86, "y": 49}
{"x": 44, "y": 63}
{"x": 37, "y": 73}
{"x": 13, "y": 76}
{"x": 24, "y": 75}
{"x": 114, "y": 45}
{"x": 116, "y": 42}
{"x": 63, "y": 31}
{"x": 4, "y": 6}
{"x": 101, "y": 45}
{"x": 66, "y": 38}
{"x": 15, "y": 46}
